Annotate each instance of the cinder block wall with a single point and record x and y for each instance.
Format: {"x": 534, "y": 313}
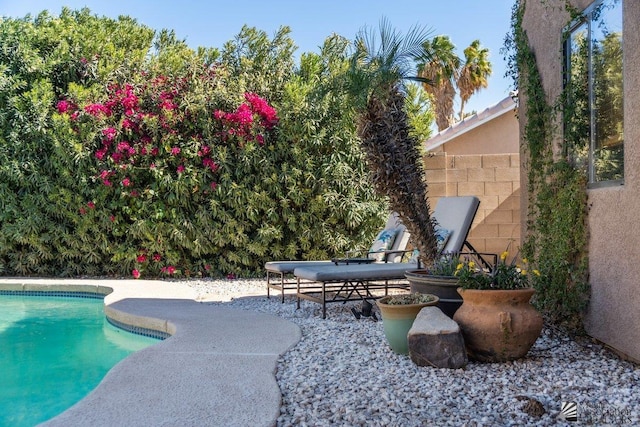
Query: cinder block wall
{"x": 495, "y": 180}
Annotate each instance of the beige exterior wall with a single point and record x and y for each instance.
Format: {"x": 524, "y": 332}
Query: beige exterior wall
{"x": 495, "y": 180}
{"x": 497, "y": 136}
{"x": 614, "y": 216}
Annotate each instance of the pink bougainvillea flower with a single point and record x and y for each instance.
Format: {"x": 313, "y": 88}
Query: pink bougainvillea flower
{"x": 243, "y": 115}
{"x": 141, "y": 258}
{"x": 155, "y": 151}
{"x": 128, "y": 124}
{"x": 97, "y": 110}
{"x": 157, "y": 257}
{"x": 136, "y": 273}
{"x": 109, "y": 133}
{"x": 204, "y": 151}
{"x": 171, "y": 269}
{"x": 180, "y": 169}
{"x": 209, "y": 163}
{"x": 127, "y": 99}
{"x": 91, "y": 205}
{"x": 126, "y": 182}
{"x": 112, "y": 218}
{"x": 123, "y": 146}
{"x": 83, "y": 211}
{"x": 175, "y": 151}
{"x": 116, "y": 157}
{"x": 100, "y": 154}
{"x": 168, "y": 105}
{"x": 207, "y": 267}
{"x": 231, "y": 276}
{"x": 266, "y": 112}
{"x": 219, "y": 114}
{"x": 260, "y": 139}
{"x": 65, "y": 106}
{"x": 134, "y": 193}
{"x": 107, "y": 183}
{"x": 62, "y": 106}
{"x": 213, "y": 185}
{"x": 152, "y": 166}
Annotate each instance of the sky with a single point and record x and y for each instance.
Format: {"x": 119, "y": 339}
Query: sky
{"x": 211, "y": 23}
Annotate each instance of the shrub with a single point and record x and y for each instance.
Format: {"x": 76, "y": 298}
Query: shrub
{"x": 120, "y": 159}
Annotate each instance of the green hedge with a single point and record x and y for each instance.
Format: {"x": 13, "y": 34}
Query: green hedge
{"x": 126, "y": 152}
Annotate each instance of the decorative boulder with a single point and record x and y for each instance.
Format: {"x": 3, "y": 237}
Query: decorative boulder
{"x": 435, "y": 340}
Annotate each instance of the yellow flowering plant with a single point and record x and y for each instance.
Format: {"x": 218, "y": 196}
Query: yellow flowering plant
{"x": 445, "y": 265}
{"x": 503, "y": 276}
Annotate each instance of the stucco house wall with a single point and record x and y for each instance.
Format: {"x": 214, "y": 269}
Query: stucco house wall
{"x": 614, "y": 216}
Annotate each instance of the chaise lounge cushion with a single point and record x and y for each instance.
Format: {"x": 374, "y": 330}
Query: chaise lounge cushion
{"x": 286, "y": 267}
{"x": 384, "y": 242}
{"x": 456, "y": 215}
{"x": 361, "y": 272}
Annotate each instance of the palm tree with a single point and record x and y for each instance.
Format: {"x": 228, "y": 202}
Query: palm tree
{"x": 440, "y": 70}
{"x": 379, "y": 68}
{"x": 474, "y": 74}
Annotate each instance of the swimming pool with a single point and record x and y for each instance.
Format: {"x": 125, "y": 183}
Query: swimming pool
{"x": 53, "y": 351}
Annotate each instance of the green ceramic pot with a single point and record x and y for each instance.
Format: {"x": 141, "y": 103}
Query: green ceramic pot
{"x": 398, "y": 319}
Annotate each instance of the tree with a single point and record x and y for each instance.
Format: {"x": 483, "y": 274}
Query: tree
{"x": 420, "y": 112}
{"x": 444, "y": 72}
{"x": 474, "y": 74}
{"x": 440, "y": 73}
{"x": 378, "y": 73}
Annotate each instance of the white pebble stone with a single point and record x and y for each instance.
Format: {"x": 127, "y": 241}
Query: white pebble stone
{"x": 342, "y": 372}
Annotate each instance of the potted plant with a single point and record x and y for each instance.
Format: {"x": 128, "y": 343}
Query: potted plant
{"x": 398, "y": 313}
{"x": 440, "y": 280}
{"x": 497, "y": 321}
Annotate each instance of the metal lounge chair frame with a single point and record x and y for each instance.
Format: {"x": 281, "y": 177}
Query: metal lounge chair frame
{"x": 280, "y": 273}
{"x": 345, "y": 282}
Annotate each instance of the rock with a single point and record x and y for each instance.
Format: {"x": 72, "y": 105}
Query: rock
{"x": 533, "y": 407}
{"x": 435, "y": 340}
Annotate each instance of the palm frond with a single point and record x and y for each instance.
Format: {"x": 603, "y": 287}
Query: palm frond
{"x": 385, "y": 57}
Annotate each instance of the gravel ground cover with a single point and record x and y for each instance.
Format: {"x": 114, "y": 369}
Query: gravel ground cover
{"x": 342, "y": 372}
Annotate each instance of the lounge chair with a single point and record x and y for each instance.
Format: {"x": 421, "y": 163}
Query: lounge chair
{"x": 456, "y": 214}
{"x": 378, "y": 253}
{"x": 333, "y": 282}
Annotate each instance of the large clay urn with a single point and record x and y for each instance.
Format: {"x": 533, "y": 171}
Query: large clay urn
{"x": 498, "y": 325}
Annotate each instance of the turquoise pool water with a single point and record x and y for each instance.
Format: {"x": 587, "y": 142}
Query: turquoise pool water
{"x": 53, "y": 352}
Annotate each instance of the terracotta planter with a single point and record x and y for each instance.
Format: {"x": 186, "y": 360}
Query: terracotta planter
{"x": 397, "y": 320}
{"x": 498, "y": 325}
{"x": 444, "y": 287}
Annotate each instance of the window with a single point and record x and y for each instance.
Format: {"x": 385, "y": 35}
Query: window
{"x": 593, "y": 107}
